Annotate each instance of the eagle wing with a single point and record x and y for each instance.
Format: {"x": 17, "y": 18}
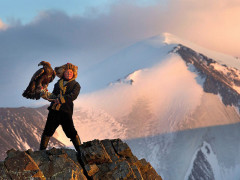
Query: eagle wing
{"x": 37, "y": 74}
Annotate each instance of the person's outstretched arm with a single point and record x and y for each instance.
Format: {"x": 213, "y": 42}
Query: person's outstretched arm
{"x": 47, "y": 95}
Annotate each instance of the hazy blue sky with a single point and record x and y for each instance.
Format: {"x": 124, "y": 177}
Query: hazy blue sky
{"x": 27, "y": 10}
{"x": 86, "y": 32}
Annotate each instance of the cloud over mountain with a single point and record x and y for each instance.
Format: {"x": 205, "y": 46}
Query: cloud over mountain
{"x": 86, "y": 40}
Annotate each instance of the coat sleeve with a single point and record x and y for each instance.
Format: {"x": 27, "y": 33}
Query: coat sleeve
{"x": 72, "y": 95}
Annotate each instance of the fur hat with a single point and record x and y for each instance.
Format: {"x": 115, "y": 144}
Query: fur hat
{"x": 61, "y": 69}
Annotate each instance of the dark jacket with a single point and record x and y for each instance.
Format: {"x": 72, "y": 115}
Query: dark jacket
{"x": 72, "y": 91}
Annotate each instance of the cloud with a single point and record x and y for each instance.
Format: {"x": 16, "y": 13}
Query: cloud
{"x": 58, "y": 38}
{"x": 212, "y": 24}
{"x": 86, "y": 40}
{"x": 179, "y": 95}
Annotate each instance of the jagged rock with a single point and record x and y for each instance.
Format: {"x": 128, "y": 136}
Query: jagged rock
{"x": 147, "y": 170}
{"x": 57, "y": 163}
{"x": 122, "y": 148}
{"x": 91, "y": 169}
{"x": 19, "y": 165}
{"x": 3, "y": 172}
{"x": 95, "y": 152}
{"x": 106, "y": 159}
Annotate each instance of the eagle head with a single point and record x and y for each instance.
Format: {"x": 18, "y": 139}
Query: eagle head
{"x": 44, "y": 63}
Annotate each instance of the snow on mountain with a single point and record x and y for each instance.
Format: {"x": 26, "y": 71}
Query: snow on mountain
{"x": 170, "y": 87}
{"x": 157, "y": 89}
{"x": 174, "y": 155}
{"x": 138, "y": 56}
{"x": 172, "y": 101}
{"x": 219, "y": 78}
{"x": 93, "y": 124}
{"x": 204, "y": 163}
{"x": 221, "y": 58}
{"x": 21, "y": 128}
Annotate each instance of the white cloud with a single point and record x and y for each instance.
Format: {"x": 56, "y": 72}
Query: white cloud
{"x": 58, "y": 38}
{"x": 168, "y": 88}
{"x": 212, "y": 24}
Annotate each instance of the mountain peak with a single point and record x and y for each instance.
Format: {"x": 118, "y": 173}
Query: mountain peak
{"x": 221, "y": 58}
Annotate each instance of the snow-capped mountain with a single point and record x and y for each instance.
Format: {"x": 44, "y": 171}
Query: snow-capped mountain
{"x": 173, "y": 86}
{"x": 201, "y": 153}
{"x": 202, "y": 166}
{"x": 21, "y": 128}
{"x": 175, "y": 103}
{"x": 164, "y": 91}
{"x": 93, "y": 123}
{"x": 219, "y": 78}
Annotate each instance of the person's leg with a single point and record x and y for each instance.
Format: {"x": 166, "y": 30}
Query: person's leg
{"x": 44, "y": 142}
{"x": 50, "y": 127}
{"x": 70, "y": 131}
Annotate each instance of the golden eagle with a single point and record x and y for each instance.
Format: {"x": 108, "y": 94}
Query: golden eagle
{"x": 40, "y": 80}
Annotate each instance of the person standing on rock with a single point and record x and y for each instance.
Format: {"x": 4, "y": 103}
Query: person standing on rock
{"x": 65, "y": 91}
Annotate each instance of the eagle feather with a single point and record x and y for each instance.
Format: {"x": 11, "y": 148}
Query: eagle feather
{"x": 40, "y": 79}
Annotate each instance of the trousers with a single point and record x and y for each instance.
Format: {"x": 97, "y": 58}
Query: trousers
{"x": 56, "y": 118}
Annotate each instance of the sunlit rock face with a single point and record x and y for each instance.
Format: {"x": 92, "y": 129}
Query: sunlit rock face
{"x": 106, "y": 159}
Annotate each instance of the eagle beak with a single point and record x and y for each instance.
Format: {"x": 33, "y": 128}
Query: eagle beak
{"x": 40, "y": 64}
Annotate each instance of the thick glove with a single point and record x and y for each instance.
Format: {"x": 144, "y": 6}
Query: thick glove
{"x": 47, "y": 95}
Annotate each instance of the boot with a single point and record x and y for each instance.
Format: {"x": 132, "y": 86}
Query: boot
{"x": 80, "y": 155}
{"x": 44, "y": 142}
{"x": 76, "y": 142}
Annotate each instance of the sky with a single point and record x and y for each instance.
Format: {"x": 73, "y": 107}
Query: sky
{"x": 86, "y": 33}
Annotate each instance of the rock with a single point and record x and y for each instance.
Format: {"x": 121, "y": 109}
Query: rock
{"x": 3, "y": 172}
{"x": 110, "y": 150}
{"x": 106, "y": 159}
{"x": 147, "y": 170}
{"x": 91, "y": 169}
{"x": 56, "y": 163}
{"x": 121, "y": 148}
{"x": 20, "y": 165}
{"x": 95, "y": 153}
{"x": 122, "y": 164}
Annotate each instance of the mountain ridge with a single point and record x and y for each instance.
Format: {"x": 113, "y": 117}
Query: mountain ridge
{"x": 226, "y": 84}
{"x": 175, "y": 95}
{"x": 22, "y": 128}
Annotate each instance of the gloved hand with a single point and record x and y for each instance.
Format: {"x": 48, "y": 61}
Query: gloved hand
{"x": 43, "y": 93}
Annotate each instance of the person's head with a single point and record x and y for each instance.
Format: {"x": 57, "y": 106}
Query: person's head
{"x": 64, "y": 69}
{"x": 68, "y": 74}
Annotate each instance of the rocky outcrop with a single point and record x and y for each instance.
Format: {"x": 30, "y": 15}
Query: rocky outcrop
{"x": 106, "y": 159}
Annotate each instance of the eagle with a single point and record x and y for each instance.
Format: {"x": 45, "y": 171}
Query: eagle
{"x": 40, "y": 80}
